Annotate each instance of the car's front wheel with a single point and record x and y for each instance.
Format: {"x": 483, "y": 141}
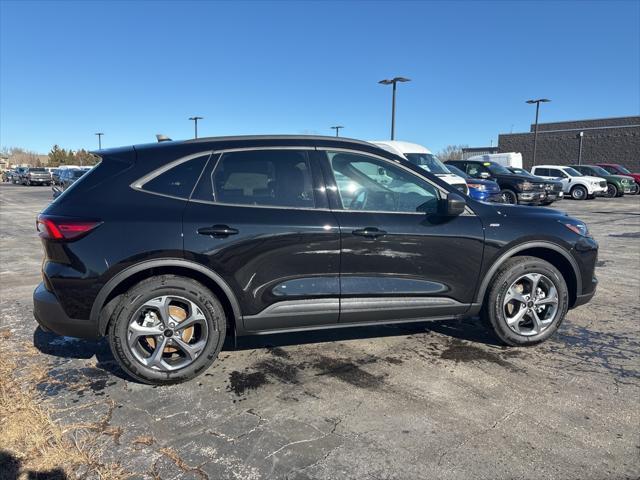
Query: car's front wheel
{"x": 527, "y": 302}
{"x": 612, "y": 190}
{"x": 579, "y": 192}
{"x": 509, "y": 197}
{"x": 167, "y": 329}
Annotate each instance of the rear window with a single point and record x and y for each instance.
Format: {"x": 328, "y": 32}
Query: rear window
{"x": 179, "y": 180}
{"x": 37, "y": 170}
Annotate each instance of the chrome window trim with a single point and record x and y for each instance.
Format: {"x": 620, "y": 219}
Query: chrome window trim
{"x": 139, "y": 184}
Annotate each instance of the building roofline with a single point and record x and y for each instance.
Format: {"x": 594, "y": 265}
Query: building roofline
{"x": 587, "y": 120}
{"x": 540, "y": 132}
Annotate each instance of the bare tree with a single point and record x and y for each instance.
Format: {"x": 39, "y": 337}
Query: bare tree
{"x": 451, "y": 152}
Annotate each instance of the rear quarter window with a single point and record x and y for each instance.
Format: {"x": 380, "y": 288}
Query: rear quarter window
{"x": 179, "y": 180}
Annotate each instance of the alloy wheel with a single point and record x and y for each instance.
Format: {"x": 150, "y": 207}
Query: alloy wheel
{"x": 531, "y": 304}
{"x": 167, "y": 333}
{"x": 509, "y": 198}
{"x": 612, "y": 191}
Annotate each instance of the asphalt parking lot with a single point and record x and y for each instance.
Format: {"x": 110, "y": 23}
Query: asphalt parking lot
{"x": 432, "y": 400}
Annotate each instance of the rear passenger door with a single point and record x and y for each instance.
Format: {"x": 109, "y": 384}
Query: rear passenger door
{"x": 260, "y": 219}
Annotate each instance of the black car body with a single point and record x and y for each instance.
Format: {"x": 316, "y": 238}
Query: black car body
{"x": 516, "y": 189}
{"x": 552, "y": 188}
{"x": 18, "y": 173}
{"x": 285, "y": 233}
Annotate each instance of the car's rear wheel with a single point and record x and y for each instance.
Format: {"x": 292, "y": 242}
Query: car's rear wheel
{"x": 612, "y": 190}
{"x": 579, "y": 192}
{"x": 167, "y": 329}
{"x": 527, "y": 302}
{"x": 509, "y": 197}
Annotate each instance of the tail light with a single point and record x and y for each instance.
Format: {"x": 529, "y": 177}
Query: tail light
{"x": 64, "y": 228}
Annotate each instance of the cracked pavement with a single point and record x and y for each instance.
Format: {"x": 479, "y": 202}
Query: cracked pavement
{"x": 429, "y": 400}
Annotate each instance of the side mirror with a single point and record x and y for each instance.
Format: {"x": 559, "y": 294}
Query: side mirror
{"x": 452, "y": 205}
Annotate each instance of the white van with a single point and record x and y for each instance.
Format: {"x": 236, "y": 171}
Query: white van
{"x": 507, "y": 159}
{"x": 422, "y": 157}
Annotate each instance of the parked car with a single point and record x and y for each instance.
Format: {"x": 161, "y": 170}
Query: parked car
{"x": 55, "y": 176}
{"x": 69, "y": 176}
{"x": 579, "y": 186}
{"x": 481, "y": 190}
{"x": 16, "y": 177}
{"x": 6, "y": 175}
{"x": 552, "y": 188}
{"x": 515, "y": 189}
{"x": 617, "y": 185}
{"x": 617, "y": 169}
{"x": 423, "y": 158}
{"x": 35, "y": 176}
{"x": 253, "y": 235}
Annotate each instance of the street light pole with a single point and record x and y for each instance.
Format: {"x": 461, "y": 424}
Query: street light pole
{"x": 99, "y": 134}
{"x": 535, "y": 134}
{"x": 337, "y": 129}
{"x": 393, "y": 81}
{"x": 195, "y": 123}
{"x": 580, "y": 136}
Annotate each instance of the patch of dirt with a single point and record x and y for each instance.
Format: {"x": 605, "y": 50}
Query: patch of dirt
{"x": 348, "y": 372}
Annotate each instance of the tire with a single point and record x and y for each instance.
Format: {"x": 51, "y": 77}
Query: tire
{"x": 212, "y": 321}
{"x": 612, "y": 191}
{"x": 495, "y": 310}
{"x": 579, "y": 193}
{"x": 509, "y": 197}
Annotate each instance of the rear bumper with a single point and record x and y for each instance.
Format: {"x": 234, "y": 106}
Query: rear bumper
{"x": 51, "y": 316}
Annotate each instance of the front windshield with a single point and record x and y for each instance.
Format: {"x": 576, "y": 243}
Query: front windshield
{"x": 623, "y": 169}
{"x": 600, "y": 171}
{"x": 428, "y": 161}
{"x": 497, "y": 169}
{"x": 457, "y": 171}
{"x": 572, "y": 172}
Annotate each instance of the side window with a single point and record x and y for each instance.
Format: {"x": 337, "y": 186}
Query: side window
{"x": 279, "y": 178}
{"x": 554, "y": 172}
{"x": 474, "y": 170}
{"x": 178, "y": 181}
{"x": 543, "y": 172}
{"x": 369, "y": 184}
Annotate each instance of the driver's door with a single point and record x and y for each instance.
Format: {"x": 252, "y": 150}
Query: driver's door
{"x": 400, "y": 260}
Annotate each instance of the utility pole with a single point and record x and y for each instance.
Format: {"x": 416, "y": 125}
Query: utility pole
{"x": 195, "y": 122}
{"x": 337, "y": 129}
{"x": 393, "y": 81}
{"x": 535, "y": 134}
{"x": 99, "y": 134}
{"x": 580, "y": 136}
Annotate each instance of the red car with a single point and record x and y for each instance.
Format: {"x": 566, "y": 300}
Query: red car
{"x": 617, "y": 169}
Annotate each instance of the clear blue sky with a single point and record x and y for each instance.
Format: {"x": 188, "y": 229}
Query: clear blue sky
{"x": 134, "y": 69}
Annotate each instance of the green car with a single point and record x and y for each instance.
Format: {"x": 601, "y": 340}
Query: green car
{"x": 617, "y": 185}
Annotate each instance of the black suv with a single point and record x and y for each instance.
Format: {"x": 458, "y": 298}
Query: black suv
{"x": 515, "y": 189}
{"x": 167, "y": 248}
{"x": 553, "y": 188}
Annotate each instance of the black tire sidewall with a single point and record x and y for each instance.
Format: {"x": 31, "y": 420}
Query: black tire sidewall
{"x": 615, "y": 190}
{"x": 155, "y": 287}
{"x": 508, "y": 274}
{"x": 506, "y": 192}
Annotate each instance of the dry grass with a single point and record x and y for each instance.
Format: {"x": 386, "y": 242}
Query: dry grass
{"x": 31, "y": 442}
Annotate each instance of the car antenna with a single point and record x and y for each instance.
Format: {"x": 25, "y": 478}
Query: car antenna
{"x": 162, "y": 138}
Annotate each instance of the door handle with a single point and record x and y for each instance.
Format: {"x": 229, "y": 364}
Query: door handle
{"x": 218, "y": 231}
{"x": 370, "y": 232}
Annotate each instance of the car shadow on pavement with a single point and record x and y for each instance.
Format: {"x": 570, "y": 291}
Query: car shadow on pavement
{"x": 470, "y": 330}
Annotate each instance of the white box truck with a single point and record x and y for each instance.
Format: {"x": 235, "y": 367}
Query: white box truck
{"x": 507, "y": 159}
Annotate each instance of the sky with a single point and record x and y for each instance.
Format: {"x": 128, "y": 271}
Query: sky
{"x": 134, "y": 69}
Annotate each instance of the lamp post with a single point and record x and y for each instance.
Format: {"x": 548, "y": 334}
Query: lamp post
{"x": 580, "y": 136}
{"x": 195, "y": 124}
{"x": 535, "y": 134}
{"x": 393, "y": 81}
{"x": 337, "y": 129}
{"x": 99, "y": 134}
